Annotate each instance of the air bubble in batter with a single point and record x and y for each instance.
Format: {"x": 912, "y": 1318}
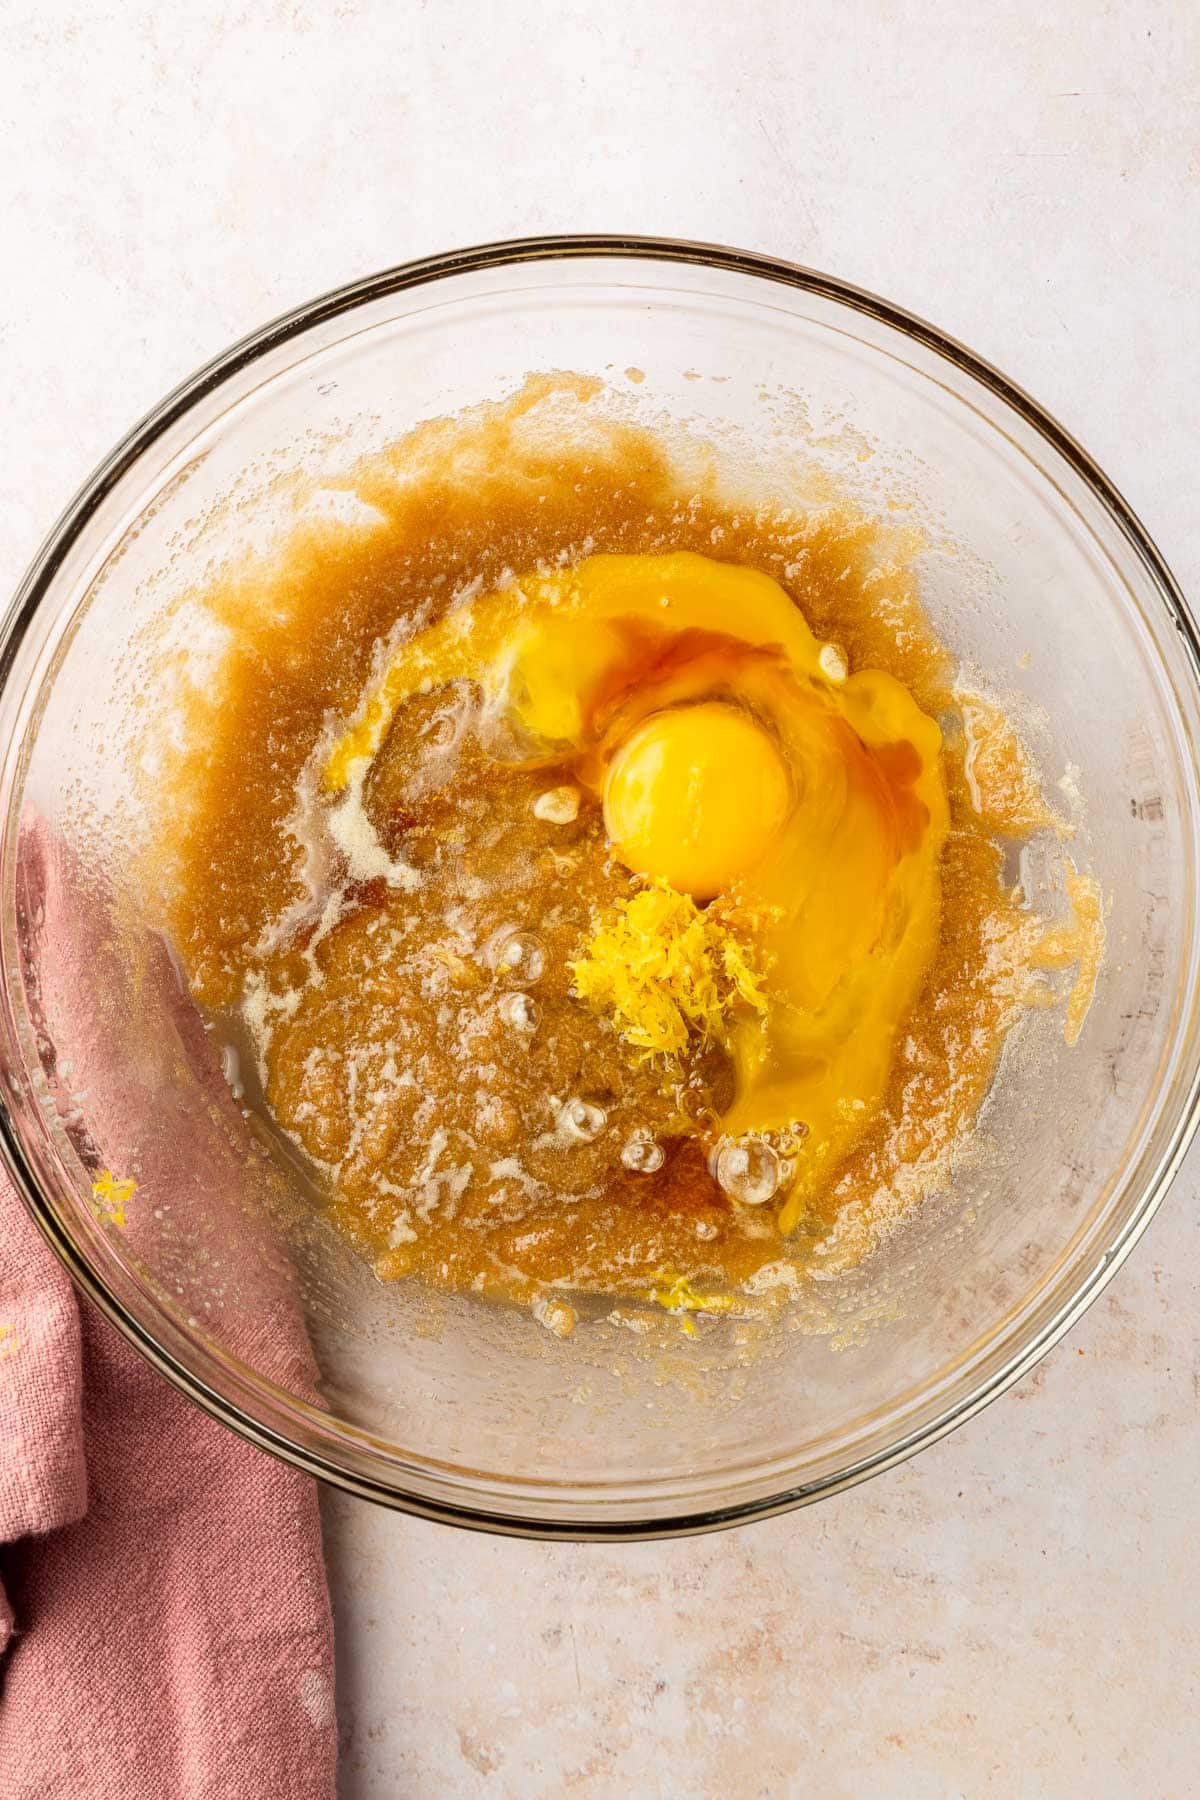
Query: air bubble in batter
{"x": 642, "y": 1153}
{"x": 581, "y": 1120}
{"x": 520, "y": 1012}
{"x": 748, "y": 1170}
{"x": 517, "y": 956}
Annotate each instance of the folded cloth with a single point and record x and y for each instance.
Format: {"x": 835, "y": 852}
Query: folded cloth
{"x": 165, "y": 1628}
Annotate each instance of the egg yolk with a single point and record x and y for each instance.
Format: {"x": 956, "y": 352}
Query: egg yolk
{"x": 735, "y": 756}
{"x": 696, "y": 796}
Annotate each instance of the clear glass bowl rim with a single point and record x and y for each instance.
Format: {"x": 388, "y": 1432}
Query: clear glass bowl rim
{"x": 476, "y": 259}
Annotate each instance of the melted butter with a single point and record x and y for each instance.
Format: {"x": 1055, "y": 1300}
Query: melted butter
{"x": 1076, "y": 944}
{"x": 1003, "y": 784}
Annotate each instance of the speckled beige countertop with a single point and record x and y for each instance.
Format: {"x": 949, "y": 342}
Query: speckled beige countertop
{"x": 1015, "y": 1612}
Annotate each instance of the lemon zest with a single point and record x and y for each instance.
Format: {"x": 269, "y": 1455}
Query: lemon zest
{"x": 112, "y": 1196}
{"x": 665, "y": 971}
{"x": 675, "y": 1294}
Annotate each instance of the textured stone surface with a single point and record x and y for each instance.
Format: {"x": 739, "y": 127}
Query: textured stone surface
{"x": 1015, "y": 1612}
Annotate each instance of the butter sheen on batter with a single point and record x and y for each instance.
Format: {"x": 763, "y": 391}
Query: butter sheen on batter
{"x": 692, "y": 697}
{"x": 555, "y": 704}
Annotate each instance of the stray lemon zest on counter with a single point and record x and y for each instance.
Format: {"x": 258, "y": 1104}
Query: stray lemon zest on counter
{"x": 112, "y": 1196}
{"x": 665, "y": 970}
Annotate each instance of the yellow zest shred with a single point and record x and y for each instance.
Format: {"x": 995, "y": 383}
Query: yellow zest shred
{"x": 666, "y": 971}
{"x": 111, "y": 1197}
{"x": 675, "y": 1294}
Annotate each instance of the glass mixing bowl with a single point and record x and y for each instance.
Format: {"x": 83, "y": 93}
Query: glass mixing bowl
{"x": 1035, "y": 571}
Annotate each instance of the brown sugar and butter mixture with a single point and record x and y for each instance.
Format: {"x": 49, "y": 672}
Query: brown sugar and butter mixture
{"x": 603, "y": 877}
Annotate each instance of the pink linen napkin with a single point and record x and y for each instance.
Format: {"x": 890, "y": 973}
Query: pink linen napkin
{"x": 165, "y": 1629}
